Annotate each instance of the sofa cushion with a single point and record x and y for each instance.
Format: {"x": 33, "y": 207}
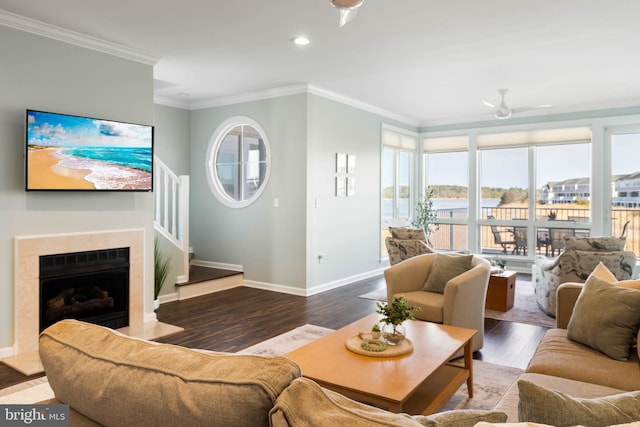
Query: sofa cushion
{"x": 430, "y": 304}
{"x": 461, "y": 418}
{"x": 605, "y": 244}
{"x": 509, "y": 401}
{"x": 118, "y": 380}
{"x": 446, "y": 267}
{"x": 606, "y": 317}
{"x": 304, "y": 403}
{"x": 558, "y": 356}
{"x": 541, "y": 405}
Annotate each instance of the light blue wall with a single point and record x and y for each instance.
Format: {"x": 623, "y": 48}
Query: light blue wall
{"x": 172, "y": 144}
{"x": 41, "y": 73}
{"x": 280, "y": 246}
{"x": 344, "y": 230}
{"x": 268, "y": 242}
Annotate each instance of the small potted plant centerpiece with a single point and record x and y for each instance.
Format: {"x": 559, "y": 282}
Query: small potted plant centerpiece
{"x": 375, "y": 332}
{"x": 393, "y": 315}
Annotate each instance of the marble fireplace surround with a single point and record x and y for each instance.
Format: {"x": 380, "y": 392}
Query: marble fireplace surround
{"x": 27, "y": 252}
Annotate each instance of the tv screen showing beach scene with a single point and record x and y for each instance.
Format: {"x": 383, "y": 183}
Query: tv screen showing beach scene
{"x": 66, "y": 152}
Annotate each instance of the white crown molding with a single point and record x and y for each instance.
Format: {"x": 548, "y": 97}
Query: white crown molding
{"x": 289, "y": 90}
{"x": 250, "y": 96}
{"x": 317, "y": 90}
{"x": 67, "y": 36}
{"x": 171, "y": 102}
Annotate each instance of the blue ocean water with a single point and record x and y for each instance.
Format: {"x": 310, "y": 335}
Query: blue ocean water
{"x": 132, "y": 157}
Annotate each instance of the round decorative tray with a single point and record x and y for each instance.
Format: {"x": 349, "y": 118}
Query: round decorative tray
{"x": 354, "y": 344}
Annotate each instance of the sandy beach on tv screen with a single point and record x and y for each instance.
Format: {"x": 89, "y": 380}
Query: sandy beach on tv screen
{"x": 45, "y": 173}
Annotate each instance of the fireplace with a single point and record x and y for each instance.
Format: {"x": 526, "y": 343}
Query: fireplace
{"x": 28, "y": 251}
{"x": 92, "y": 286}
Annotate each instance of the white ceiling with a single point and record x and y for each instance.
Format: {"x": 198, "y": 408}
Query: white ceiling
{"x": 429, "y": 62}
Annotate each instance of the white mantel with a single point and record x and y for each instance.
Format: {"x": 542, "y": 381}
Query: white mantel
{"x": 27, "y": 252}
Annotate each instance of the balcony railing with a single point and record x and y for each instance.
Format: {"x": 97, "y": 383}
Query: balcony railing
{"x": 574, "y": 220}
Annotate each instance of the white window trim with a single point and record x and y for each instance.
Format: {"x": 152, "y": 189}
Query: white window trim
{"x": 210, "y": 165}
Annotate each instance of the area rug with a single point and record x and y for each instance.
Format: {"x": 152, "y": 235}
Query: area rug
{"x": 377, "y": 295}
{"x": 490, "y": 382}
{"x": 28, "y": 392}
{"x": 524, "y": 310}
{"x": 288, "y": 341}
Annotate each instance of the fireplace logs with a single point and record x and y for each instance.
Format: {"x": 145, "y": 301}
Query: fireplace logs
{"x": 73, "y": 302}
{"x": 91, "y": 286}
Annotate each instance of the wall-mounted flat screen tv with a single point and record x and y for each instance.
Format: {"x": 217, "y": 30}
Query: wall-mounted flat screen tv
{"x": 74, "y": 153}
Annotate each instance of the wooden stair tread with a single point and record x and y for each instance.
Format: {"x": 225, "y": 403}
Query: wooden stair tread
{"x": 199, "y": 274}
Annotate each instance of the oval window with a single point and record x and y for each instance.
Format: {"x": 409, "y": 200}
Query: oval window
{"x": 238, "y": 162}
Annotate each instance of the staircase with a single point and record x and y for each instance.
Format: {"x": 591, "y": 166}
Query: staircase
{"x": 205, "y": 280}
{"x": 171, "y": 219}
{"x": 172, "y": 223}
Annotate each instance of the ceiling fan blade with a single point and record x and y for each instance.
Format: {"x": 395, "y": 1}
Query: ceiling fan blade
{"x": 488, "y": 104}
{"x": 347, "y": 15}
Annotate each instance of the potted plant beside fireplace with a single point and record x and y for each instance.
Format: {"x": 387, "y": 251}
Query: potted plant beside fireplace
{"x": 160, "y": 270}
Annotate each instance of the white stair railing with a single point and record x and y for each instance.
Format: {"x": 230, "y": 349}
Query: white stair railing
{"x": 172, "y": 209}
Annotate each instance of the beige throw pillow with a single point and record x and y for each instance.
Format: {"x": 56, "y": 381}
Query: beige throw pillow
{"x": 446, "y": 267}
{"x": 606, "y": 318}
{"x": 540, "y": 405}
{"x": 601, "y": 271}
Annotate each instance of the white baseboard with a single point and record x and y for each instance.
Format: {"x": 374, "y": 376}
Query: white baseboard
{"x": 291, "y": 290}
{"x": 223, "y": 266}
{"x": 316, "y": 289}
{"x": 168, "y": 298}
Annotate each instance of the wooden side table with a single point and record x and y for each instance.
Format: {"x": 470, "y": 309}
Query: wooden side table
{"x": 501, "y": 291}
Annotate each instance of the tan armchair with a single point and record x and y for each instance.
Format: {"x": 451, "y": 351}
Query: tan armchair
{"x": 461, "y": 304}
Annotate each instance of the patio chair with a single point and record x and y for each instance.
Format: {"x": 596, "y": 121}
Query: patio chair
{"x": 503, "y": 237}
{"x": 520, "y": 240}
{"x": 543, "y": 241}
{"x": 556, "y": 239}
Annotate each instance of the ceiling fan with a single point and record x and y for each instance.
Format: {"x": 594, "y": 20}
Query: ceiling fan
{"x": 503, "y": 112}
{"x": 347, "y": 8}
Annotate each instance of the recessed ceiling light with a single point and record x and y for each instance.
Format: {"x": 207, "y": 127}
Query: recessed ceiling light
{"x": 301, "y": 40}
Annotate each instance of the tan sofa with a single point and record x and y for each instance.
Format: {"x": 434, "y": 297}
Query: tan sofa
{"x": 566, "y": 366}
{"x": 461, "y": 304}
{"x": 110, "y": 379}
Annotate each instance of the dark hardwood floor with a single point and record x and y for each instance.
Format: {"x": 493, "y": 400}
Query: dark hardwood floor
{"x": 238, "y": 318}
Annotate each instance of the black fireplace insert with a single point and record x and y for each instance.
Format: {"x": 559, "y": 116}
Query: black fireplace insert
{"x": 91, "y": 286}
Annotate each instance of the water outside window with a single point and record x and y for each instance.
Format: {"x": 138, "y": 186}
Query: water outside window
{"x": 448, "y": 175}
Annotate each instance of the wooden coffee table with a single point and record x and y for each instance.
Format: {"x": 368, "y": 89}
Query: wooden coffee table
{"x": 421, "y": 382}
